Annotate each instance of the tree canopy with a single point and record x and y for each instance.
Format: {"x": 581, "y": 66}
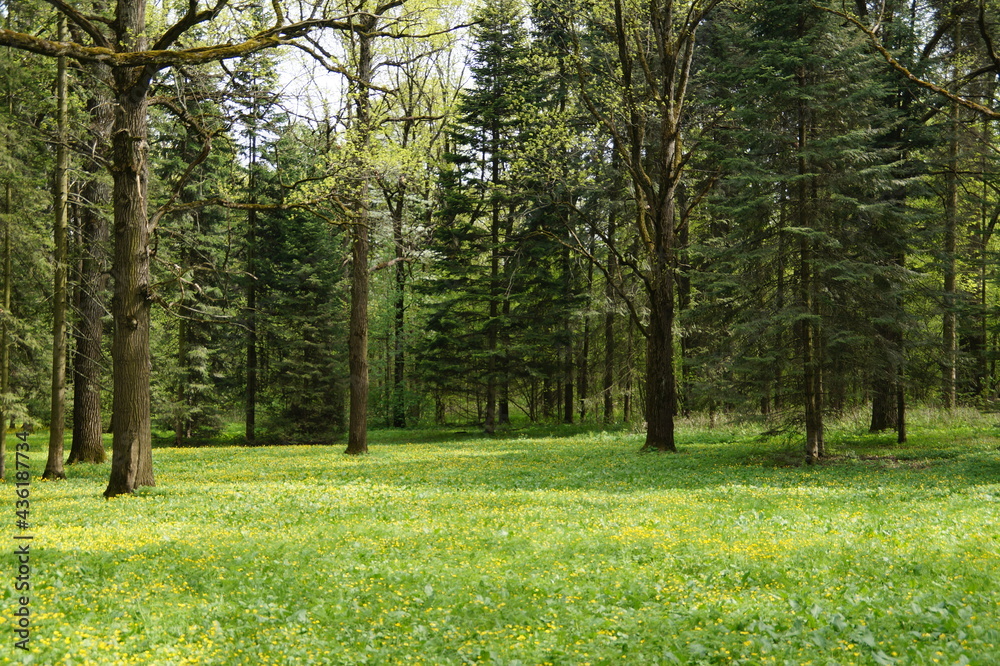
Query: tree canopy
{"x": 516, "y": 211}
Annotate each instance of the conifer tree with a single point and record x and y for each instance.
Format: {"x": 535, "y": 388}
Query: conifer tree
{"x": 809, "y": 199}
{"x": 480, "y": 209}
{"x": 193, "y": 248}
{"x": 301, "y": 306}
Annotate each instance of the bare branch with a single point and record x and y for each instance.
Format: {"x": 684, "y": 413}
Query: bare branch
{"x": 581, "y": 249}
{"x": 899, "y": 67}
{"x": 192, "y": 18}
{"x": 76, "y": 17}
{"x": 987, "y": 38}
{"x": 390, "y": 263}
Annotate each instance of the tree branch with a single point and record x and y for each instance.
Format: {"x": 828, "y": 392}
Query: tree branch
{"x": 987, "y": 38}
{"x": 899, "y": 67}
{"x": 76, "y": 17}
{"x": 192, "y": 18}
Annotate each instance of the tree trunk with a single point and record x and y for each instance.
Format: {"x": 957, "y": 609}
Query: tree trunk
{"x": 808, "y": 324}
{"x": 57, "y": 421}
{"x": 583, "y": 379}
{"x": 88, "y": 444}
{"x": 357, "y": 435}
{"x": 182, "y": 423}
{"x": 132, "y": 455}
{"x": 811, "y": 370}
{"x": 5, "y": 316}
{"x": 884, "y": 405}
{"x": 627, "y": 383}
{"x": 503, "y": 394}
{"x": 398, "y": 409}
{"x": 250, "y": 422}
{"x": 609, "y": 328}
{"x": 4, "y": 325}
{"x": 358, "y": 338}
{"x": 567, "y": 352}
{"x": 900, "y": 411}
{"x": 494, "y": 292}
{"x": 949, "y": 325}
{"x": 661, "y": 399}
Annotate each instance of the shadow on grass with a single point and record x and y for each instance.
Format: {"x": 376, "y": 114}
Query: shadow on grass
{"x": 559, "y": 458}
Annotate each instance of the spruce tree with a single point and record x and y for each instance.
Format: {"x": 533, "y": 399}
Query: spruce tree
{"x": 301, "y": 307}
{"x": 807, "y": 221}
{"x": 479, "y": 213}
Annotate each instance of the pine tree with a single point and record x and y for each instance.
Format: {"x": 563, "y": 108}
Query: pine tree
{"x": 301, "y": 307}
{"x": 480, "y": 209}
{"x": 809, "y": 213}
{"x": 192, "y": 249}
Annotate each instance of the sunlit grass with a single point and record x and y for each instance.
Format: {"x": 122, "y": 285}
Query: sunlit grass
{"x": 530, "y": 549}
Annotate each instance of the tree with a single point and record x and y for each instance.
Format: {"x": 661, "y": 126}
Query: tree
{"x": 123, "y": 42}
{"x": 54, "y": 464}
{"x": 636, "y": 88}
{"x": 801, "y": 249}
{"x": 193, "y": 251}
{"x": 500, "y": 307}
{"x": 255, "y": 112}
{"x": 301, "y": 302}
{"x": 92, "y": 280}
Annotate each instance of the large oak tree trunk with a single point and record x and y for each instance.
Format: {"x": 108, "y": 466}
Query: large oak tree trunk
{"x": 132, "y": 458}
{"x": 4, "y": 338}
{"x": 357, "y": 441}
{"x": 661, "y": 399}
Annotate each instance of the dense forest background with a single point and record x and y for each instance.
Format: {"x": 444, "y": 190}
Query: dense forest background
{"x": 576, "y": 212}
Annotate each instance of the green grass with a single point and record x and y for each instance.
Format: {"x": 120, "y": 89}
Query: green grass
{"x": 455, "y": 548}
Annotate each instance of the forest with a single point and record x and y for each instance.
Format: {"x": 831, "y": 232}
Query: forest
{"x": 314, "y": 218}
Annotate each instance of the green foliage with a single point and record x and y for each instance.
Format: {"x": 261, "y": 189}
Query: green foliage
{"x": 814, "y": 196}
{"x": 25, "y": 220}
{"x": 504, "y": 286}
{"x": 545, "y": 548}
{"x": 194, "y": 336}
{"x": 302, "y": 311}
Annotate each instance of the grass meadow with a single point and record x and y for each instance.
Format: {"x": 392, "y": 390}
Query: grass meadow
{"x": 542, "y": 547}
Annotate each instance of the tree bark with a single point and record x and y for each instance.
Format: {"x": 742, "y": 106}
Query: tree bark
{"x": 661, "y": 398}
{"x": 503, "y": 389}
{"x": 398, "y": 407}
{"x": 132, "y": 455}
{"x": 357, "y": 434}
{"x": 492, "y": 332}
{"x": 88, "y": 445}
{"x": 57, "y": 421}
{"x": 567, "y": 352}
{"x": 812, "y": 381}
{"x": 4, "y": 326}
{"x": 609, "y": 323}
{"x": 357, "y": 442}
{"x": 250, "y": 425}
{"x": 949, "y": 370}
{"x": 627, "y": 382}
